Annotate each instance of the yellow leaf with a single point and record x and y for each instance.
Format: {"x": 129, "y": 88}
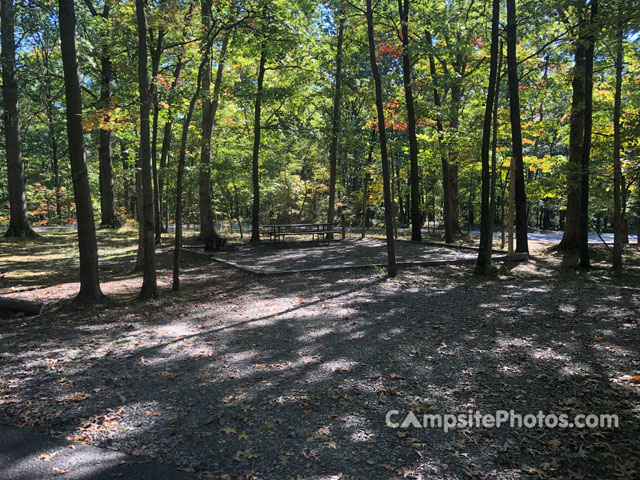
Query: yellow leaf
{"x": 48, "y": 457}
{"x": 75, "y": 397}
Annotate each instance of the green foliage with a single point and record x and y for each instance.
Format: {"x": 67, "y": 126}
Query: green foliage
{"x": 299, "y": 38}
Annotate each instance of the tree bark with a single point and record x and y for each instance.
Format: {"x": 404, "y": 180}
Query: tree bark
{"x": 53, "y": 138}
{"x": 486, "y": 232}
{"x": 166, "y": 145}
{"x": 414, "y": 174}
{"x": 20, "y": 305}
{"x": 255, "y": 174}
{"x": 209, "y": 109}
{"x": 204, "y": 184}
{"x": 522, "y": 244}
{"x": 88, "y": 247}
{"x": 494, "y": 142}
{"x": 446, "y": 180}
{"x": 181, "y": 164}
{"x": 149, "y": 286}
{"x": 586, "y": 144}
{"x": 576, "y": 135}
{"x": 335, "y": 126}
{"x": 617, "y": 168}
{"x": 18, "y": 222}
{"x": 107, "y": 201}
{"x": 156, "y": 57}
{"x": 392, "y": 268}
{"x": 454, "y": 189}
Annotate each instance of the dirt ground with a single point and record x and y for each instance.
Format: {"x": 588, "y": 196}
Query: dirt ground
{"x": 238, "y": 376}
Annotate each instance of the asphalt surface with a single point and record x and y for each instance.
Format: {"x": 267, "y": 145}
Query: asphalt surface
{"x": 26, "y": 455}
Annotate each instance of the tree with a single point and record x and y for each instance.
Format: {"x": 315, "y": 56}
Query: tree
{"x": 107, "y": 202}
{"x": 149, "y": 286}
{"x": 486, "y": 222}
{"x": 181, "y": 164}
{"x": 206, "y": 212}
{"x": 617, "y": 168}
{"x": 570, "y": 237}
{"x": 416, "y": 217}
{"x": 335, "y": 124}
{"x": 522, "y": 244}
{"x": 447, "y": 213}
{"x": 156, "y": 47}
{"x": 255, "y": 157}
{"x": 392, "y": 268}
{"x": 586, "y": 142}
{"x": 89, "y": 274}
{"x": 18, "y": 222}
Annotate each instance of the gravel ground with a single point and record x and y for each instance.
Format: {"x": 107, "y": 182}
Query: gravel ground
{"x": 292, "y": 376}
{"x": 288, "y": 257}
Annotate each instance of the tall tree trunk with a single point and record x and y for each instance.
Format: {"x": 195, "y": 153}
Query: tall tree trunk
{"x": 139, "y": 212}
{"x": 335, "y": 125}
{"x": 255, "y": 174}
{"x": 209, "y": 109}
{"x": 454, "y": 189}
{"x": 446, "y": 181}
{"x": 124, "y": 157}
{"x": 576, "y": 136}
{"x": 623, "y": 207}
{"x": 494, "y": 143}
{"x": 87, "y": 245}
{"x": 18, "y": 222}
{"x": 166, "y": 145}
{"x": 392, "y": 268}
{"x": 367, "y": 182}
{"x": 149, "y": 287}
{"x": 414, "y": 175}
{"x": 53, "y": 137}
{"x": 179, "y": 180}
{"x": 586, "y": 144}
{"x": 156, "y": 57}
{"x": 617, "y": 168}
{"x": 522, "y": 244}
{"x": 365, "y": 204}
{"x": 486, "y": 232}
{"x": 107, "y": 201}
{"x": 204, "y": 185}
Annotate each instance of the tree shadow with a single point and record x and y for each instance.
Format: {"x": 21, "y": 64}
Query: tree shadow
{"x": 295, "y": 375}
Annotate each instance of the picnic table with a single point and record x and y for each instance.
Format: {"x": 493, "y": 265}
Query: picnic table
{"x": 318, "y": 231}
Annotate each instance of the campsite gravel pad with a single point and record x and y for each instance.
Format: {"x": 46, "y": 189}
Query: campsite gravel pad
{"x": 305, "y": 257}
{"x": 236, "y": 377}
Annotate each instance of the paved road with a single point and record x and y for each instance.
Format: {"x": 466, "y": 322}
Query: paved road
{"x": 26, "y": 455}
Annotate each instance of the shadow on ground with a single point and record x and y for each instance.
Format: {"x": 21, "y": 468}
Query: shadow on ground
{"x": 279, "y": 377}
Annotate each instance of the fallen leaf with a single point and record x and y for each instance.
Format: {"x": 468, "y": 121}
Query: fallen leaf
{"x": 75, "y": 397}
{"x": 47, "y": 457}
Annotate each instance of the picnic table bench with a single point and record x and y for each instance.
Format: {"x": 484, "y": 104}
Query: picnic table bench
{"x": 318, "y": 231}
